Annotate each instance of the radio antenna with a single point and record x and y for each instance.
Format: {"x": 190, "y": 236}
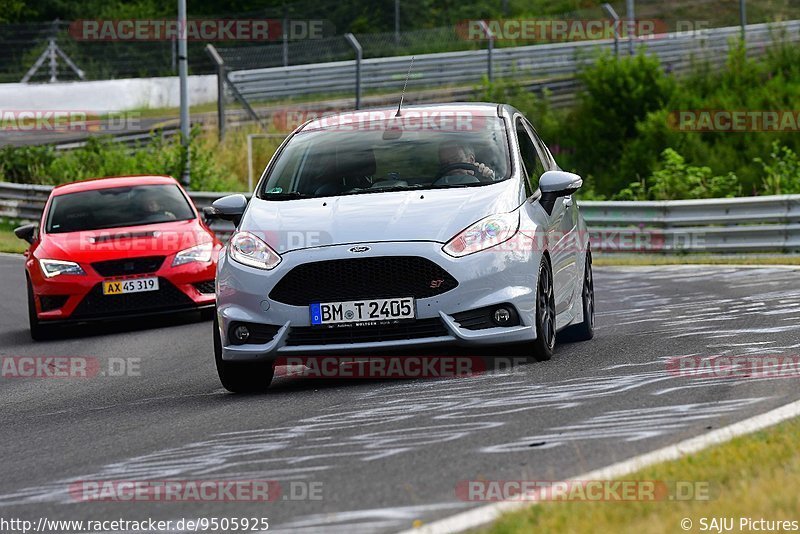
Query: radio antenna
{"x": 403, "y": 94}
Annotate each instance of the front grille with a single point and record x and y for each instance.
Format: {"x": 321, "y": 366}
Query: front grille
{"x": 128, "y": 266}
{"x": 52, "y": 302}
{"x": 362, "y": 278}
{"x": 95, "y": 304}
{"x": 309, "y": 335}
{"x": 205, "y": 287}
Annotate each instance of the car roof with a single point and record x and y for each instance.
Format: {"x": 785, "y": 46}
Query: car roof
{"x": 480, "y": 109}
{"x": 113, "y": 181}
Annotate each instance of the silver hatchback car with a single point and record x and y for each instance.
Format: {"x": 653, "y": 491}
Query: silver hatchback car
{"x": 430, "y": 225}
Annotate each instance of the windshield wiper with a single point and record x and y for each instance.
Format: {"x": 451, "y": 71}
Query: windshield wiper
{"x": 451, "y": 186}
{"x": 382, "y": 189}
{"x": 286, "y": 196}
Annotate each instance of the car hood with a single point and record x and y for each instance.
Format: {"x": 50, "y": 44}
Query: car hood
{"x": 420, "y": 215}
{"x": 128, "y": 242}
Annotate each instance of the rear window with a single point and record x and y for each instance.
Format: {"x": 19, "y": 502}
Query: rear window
{"x": 117, "y": 207}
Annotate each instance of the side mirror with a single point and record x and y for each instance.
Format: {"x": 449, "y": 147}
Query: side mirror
{"x": 559, "y": 183}
{"x": 209, "y": 214}
{"x": 26, "y": 232}
{"x": 555, "y": 184}
{"x": 230, "y": 208}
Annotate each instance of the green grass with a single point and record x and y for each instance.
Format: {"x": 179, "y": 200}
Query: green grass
{"x": 8, "y": 241}
{"x": 756, "y": 476}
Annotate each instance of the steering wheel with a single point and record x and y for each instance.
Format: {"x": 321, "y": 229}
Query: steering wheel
{"x": 454, "y": 166}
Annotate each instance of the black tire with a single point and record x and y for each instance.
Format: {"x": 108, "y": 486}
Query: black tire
{"x": 584, "y": 331}
{"x": 39, "y": 332}
{"x": 241, "y": 377}
{"x": 545, "y": 314}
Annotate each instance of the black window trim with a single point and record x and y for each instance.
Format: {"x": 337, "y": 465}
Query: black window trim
{"x": 532, "y": 195}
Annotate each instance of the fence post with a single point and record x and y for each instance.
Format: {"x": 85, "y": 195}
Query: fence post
{"x": 183, "y": 78}
{"x": 610, "y": 10}
{"x": 285, "y": 38}
{"x": 490, "y": 37}
{"x": 397, "y": 23}
{"x": 743, "y": 18}
{"x": 173, "y": 47}
{"x": 51, "y": 52}
{"x": 351, "y": 39}
{"x": 631, "y": 25}
{"x": 219, "y": 66}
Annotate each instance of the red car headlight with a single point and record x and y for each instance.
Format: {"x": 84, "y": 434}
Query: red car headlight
{"x": 199, "y": 253}
{"x": 51, "y": 268}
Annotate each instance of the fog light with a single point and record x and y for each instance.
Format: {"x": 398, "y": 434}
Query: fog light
{"x": 502, "y": 316}
{"x": 241, "y": 334}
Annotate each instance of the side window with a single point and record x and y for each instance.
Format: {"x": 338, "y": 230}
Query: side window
{"x": 530, "y": 157}
{"x": 550, "y": 163}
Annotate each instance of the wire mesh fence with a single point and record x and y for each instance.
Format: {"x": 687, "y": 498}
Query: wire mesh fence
{"x": 383, "y": 27}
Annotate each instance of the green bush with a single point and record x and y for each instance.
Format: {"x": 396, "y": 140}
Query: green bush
{"x": 617, "y": 134}
{"x": 618, "y": 94}
{"x": 101, "y": 156}
{"x": 781, "y": 172}
{"x": 677, "y": 180}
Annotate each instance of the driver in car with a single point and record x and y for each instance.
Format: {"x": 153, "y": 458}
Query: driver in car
{"x": 452, "y": 153}
{"x": 152, "y": 210}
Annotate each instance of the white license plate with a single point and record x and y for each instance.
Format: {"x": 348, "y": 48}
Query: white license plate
{"x": 377, "y": 311}
{"x": 137, "y": 285}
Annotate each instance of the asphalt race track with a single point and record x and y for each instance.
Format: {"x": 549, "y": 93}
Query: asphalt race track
{"x": 382, "y": 454}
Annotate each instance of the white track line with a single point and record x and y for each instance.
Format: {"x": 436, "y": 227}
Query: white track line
{"x": 486, "y": 514}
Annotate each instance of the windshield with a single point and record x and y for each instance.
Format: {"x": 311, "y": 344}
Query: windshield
{"x": 379, "y": 156}
{"x": 116, "y": 207}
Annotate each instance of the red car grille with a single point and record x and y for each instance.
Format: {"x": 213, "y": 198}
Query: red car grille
{"x": 95, "y": 304}
{"x": 128, "y": 266}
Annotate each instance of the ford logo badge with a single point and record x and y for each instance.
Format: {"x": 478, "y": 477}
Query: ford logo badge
{"x": 359, "y": 249}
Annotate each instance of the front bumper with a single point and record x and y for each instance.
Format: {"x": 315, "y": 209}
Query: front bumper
{"x": 486, "y": 278}
{"x": 181, "y": 288}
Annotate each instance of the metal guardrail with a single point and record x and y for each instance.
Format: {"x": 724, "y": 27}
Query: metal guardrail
{"x": 747, "y": 224}
{"x": 131, "y": 139}
{"x": 677, "y": 52}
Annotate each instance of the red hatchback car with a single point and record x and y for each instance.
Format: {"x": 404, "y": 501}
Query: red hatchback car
{"x": 116, "y": 248}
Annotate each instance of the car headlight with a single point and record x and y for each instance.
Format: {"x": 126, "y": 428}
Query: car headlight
{"x": 52, "y": 268}
{"x": 486, "y": 233}
{"x": 201, "y": 253}
{"x": 249, "y": 250}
